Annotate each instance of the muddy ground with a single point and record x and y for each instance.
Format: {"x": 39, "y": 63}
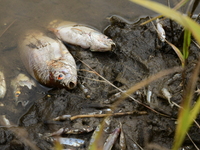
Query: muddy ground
{"x": 138, "y": 54}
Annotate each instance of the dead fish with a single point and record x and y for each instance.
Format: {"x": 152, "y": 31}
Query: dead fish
{"x": 85, "y": 90}
{"x": 4, "y": 121}
{"x": 1, "y": 104}
{"x": 167, "y": 95}
{"x": 17, "y": 83}
{"x": 113, "y": 98}
{"x": 122, "y": 140}
{"x": 149, "y": 94}
{"x": 160, "y": 30}
{"x": 63, "y": 131}
{"x": 98, "y": 131}
{"x": 62, "y": 118}
{"x": 2, "y": 85}
{"x": 63, "y": 140}
{"x": 71, "y": 141}
{"x": 111, "y": 139}
{"x": 48, "y": 60}
{"x": 83, "y": 36}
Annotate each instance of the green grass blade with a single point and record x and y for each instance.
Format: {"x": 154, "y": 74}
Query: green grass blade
{"x": 58, "y": 145}
{"x": 181, "y": 129}
{"x": 186, "y": 43}
{"x": 179, "y": 5}
{"x": 195, "y": 111}
{"x": 182, "y": 19}
{"x": 186, "y": 116}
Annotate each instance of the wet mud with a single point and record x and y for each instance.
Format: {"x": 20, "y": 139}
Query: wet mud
{"x": 138, "y": 54}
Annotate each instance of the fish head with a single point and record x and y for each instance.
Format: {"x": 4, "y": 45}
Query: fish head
{"x": 101, "y": 42}
{"x": 63, "y": 75}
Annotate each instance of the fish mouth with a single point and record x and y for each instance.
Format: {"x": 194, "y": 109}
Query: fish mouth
{"x": 71, "y": 85}
{"x": 113, "y": 45}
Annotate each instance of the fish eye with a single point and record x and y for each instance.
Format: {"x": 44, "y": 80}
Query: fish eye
{"x": 17, "y": 93}
{"x": 60, "y": 76}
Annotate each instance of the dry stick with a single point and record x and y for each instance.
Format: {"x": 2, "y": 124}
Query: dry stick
{"x": 140, "y": 147}
{"x": 196, "y": 44}
{"x": 150, "y": 20}
{"x": 192, "y": 141}
{"x": 87, "y": 77}
{"x": 138, "y": 86}
{"x": 109, "y": 114}
{"x": 92, "y": 79}
{"x": 180, "y": 4}
{"x": 85, "y": 70}
{"x": 8, "y": 27}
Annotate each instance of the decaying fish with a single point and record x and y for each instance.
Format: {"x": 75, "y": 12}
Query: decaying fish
{"x": 160, "y": 30}
{"x": 2, "y": 85}
{"x": 1, "y": 104}
{"x": 63, "y": 131}
{"x": 77, "y": 34}
{"x": 167, "y": 95}
{"x": 18, "y": 83}
{"x": 122, "y": 140}
{"x": 71, "y": 141}
{"x": 4, "y": 121}
{"x": 48, "y": 60}
{"x": 101, "y": 127}
{"x": 85, "y": 90}
{"x": 64, "y": 141}
{"x": 111, "y": 139}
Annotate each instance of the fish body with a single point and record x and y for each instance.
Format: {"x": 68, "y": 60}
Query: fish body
{"x": 160, "y": 30}
{"x": 2, "y": 85}
{"x": 81, "y": 35}
{"x": 48, "y": 60}
{"x": 4, "y": 121}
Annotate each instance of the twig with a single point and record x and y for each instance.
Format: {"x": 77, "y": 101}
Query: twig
{"x": 192, "y": 141}
{"x": 109, "y": 114}
{"x": 134, "y": 141}
{"x": 196, "y": 44}
{"x": 8, "y": 27}
{"x": 92, "y": 79}
{"x": 175, "y": 104}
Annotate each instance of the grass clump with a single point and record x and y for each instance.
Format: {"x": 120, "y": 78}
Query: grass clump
{"x": 188, "y": 112}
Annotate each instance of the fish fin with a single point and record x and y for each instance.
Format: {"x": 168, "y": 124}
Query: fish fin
{"x": 53, "y": 30}
{"x": 78, "y": 31}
